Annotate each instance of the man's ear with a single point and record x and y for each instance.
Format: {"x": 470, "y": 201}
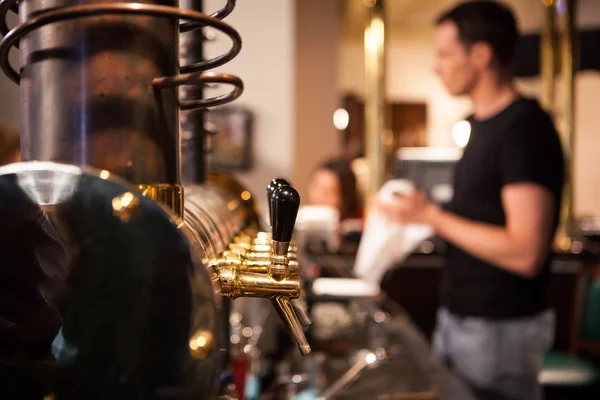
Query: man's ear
{"x": 481, "y": 55}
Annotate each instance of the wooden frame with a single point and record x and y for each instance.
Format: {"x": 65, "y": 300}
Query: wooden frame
{"x": 408, "y": 121}
{"x": 231, "y": 146}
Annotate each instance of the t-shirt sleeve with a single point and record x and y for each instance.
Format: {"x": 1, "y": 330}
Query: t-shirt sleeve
{"x": 531, "y": 153}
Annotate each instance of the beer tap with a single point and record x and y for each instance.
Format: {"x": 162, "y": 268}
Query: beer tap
{"x": 299, "y": 303}
{"x": 275, "y": 277}
{"x": 257, "y": 247}
{"x": 271, "y": 188}
{"x": 285, "y": 202}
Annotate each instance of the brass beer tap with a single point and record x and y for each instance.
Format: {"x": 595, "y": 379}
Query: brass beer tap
{"x": 247, "y": 270}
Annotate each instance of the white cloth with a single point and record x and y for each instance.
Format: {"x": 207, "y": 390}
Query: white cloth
{"x": 320, "y": 222}
{"x": 386, "y": 243}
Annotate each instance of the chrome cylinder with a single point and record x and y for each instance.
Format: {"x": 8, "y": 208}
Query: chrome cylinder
{"x": 100, "y": 79}
{"x": 86, "y": 90}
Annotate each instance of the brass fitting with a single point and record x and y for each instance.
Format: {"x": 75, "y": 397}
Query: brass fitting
{"x": 254, "y": 249}
{"x": 170, "y": 196}
{"x": 274, "y": 276}
{"x": 238, "y": 279}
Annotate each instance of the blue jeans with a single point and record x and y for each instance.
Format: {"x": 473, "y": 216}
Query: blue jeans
{"x": 497, "y": 359}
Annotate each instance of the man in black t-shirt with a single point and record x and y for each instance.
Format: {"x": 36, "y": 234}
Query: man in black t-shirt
{"x": 495, "y": 324}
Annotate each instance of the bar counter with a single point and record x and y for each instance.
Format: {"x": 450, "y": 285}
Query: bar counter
{"x": 415, "y": 285}
{"x": 412, "y": 298}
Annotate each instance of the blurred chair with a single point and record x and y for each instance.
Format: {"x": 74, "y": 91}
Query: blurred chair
{"x": 568, "y": 373}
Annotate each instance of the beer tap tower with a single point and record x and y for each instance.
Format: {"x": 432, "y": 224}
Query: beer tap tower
{"x": 142, "y": 267}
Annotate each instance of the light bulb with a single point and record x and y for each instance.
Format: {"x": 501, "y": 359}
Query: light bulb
{"x": 461, "y": 132}
{"x": 341, "y": 118}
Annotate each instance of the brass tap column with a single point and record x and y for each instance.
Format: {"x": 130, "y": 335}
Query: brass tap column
{"x": 375, "y": 112}
{"x": 569, "y": 57}
{"x": 548, "y": 55}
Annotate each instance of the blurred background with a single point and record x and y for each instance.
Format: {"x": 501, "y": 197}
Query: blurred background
{"x": 315, "y": 66}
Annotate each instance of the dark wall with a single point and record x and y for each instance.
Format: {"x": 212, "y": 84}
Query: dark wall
{"x": 527, "y": 62}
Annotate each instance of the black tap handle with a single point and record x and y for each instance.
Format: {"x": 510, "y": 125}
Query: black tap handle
{"x": 271, "y": 187}
{"x": 285, "y": 203}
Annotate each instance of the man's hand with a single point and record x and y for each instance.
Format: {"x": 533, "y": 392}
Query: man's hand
{"x": 409, "y": 208}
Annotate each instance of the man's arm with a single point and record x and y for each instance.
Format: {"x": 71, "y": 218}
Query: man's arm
{"x": 531, "y": 164}
{"x": 519, "y": 247}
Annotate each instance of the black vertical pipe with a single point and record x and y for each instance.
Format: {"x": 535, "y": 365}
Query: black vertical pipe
{"x": 192, "y": 122}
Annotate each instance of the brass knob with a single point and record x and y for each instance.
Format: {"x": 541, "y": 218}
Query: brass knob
{"x": 201, "y": 344}
{"x": 125, "y": 206}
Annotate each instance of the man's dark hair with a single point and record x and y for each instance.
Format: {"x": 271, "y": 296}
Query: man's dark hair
{"x": 485, "y": 21}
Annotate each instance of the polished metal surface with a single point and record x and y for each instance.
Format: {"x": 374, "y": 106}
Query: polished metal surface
{"x": 235, "y": 282}
{"x": 169, "y": 195}
{"x": 191, "y": 49}
{"x": 549, "y": 50}
{"x": 93, "y": 104}
{"x": 569, "y": 57}
{"x": 195, "y": 137}
{"x": 293, "y": 324}
{"x": 209, "y": 204}
{"x": 548, "y": 57}
{"x": 241, "y": 260}
{"x": 377, "y": 133}
{"x": 91, "y": 98}
{"x": 99, "y": 299}
{"x": 243, "y": 276}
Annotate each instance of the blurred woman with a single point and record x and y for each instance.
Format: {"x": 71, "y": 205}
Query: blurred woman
{"x": 334, "y": 184}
